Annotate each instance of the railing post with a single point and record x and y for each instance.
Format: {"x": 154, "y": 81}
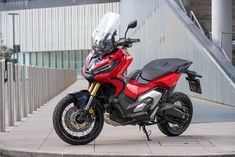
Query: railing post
{"x": 17, "y": 92}
{"x": 24, "y": 102}
{"x": 36, "y": 96}
{"x": 2, "y": 103}
{"x": 39, "y": 77}
{"x": 54, "y": 83}
{"x": 30, "y": 89}
{"x": 47, "y": 85}
{"x": 27, "y": 89}
{"x": 11, "y": 99}
{"x": 42, "y": 86}
{"x": 34, "y": 88}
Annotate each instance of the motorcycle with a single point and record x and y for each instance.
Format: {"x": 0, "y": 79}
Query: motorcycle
{"x": 144, "y": 97}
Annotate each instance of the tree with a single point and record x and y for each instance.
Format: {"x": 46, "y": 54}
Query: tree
{"x": 5, "y": 52}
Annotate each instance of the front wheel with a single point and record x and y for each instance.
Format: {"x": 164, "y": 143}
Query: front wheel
{"x": 73, "y": 129}
{"x": 181, "y": 100}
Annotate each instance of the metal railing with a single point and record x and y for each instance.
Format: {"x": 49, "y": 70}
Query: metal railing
{"x": 192, "y": 16}
{"x": 195, "y": 21}
{"x": 225, "y": 55}
{"x": 222, "y": 37}
{"x": 221, "y": 43}
{"x": 180, "y": 3}
{"x": 27, "y": 88}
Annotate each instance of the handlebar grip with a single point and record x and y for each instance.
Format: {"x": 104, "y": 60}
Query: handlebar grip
{"x": 200, "y": 76}
{"x": 134, "y": 40}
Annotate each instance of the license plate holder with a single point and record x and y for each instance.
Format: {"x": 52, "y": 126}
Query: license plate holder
{"x": 194, "y": 85}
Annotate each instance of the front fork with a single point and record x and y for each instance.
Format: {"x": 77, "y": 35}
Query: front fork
{"x": 93, "y": 89}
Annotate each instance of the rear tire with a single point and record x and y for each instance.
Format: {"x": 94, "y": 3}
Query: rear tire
{"x": 185, "y": 101}
{"x": 64, "y": 134}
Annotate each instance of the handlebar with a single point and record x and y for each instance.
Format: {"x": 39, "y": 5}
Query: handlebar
{"x": 126, "y": 42}
{"x": 133, "y": 40}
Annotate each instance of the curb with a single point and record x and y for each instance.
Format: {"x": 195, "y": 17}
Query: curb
{"x": 6, "y": 151}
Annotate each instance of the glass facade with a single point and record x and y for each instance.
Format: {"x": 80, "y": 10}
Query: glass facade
{"x": 58, "y": 59}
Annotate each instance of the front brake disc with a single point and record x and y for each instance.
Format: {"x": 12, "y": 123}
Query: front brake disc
{"x": 72, "y": 123}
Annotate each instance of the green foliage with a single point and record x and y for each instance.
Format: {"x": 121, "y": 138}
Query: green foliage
{"x": 5, "y": 52}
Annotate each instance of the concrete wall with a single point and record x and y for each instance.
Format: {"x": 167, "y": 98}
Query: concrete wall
{"x": 134, "y": 10}
{"x": 167, "y": 33}
{"x": 54, "y": 29}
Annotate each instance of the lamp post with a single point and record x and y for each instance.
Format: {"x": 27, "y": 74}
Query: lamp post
{"x": 13, "y": 29}
{"x": 14, "y": 46}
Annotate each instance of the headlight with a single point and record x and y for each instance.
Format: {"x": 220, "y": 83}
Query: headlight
{"x": 94, "y": 61}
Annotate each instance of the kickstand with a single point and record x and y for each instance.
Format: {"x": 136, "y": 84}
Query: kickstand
{"x": 147, "y": 133}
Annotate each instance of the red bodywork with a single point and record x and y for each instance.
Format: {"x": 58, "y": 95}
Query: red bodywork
{"x": 134, "y": 89}
{"x": 115, "y": 77}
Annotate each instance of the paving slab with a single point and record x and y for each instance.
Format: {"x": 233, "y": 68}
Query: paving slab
{"x": 35, "y": 137}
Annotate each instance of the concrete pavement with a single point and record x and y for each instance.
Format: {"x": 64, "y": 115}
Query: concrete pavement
{"x": 35, "y": 137}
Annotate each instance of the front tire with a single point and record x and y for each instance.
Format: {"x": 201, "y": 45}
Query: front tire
{"x": 171, "y": 129}
{"x": 67, "y": 128}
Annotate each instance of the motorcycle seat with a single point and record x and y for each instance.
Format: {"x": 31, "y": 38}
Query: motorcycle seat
{"x": 161, "y": 67}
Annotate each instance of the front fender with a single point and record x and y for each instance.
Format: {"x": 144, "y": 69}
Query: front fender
{"x": 81, "y": 98}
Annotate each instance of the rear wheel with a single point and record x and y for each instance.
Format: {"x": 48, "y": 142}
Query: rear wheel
{"x": 73, "y": 129}
{"x": 183, "y": 101}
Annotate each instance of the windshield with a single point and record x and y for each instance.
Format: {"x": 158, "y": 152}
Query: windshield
{"x": 102, "y": 37}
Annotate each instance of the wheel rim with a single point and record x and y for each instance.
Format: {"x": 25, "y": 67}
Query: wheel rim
{"x": 72, "y": 127}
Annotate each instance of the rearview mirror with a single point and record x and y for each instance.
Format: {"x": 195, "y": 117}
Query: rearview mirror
{"x": 132, "y": 24}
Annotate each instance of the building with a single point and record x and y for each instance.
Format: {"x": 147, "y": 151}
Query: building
{"x": 53, "y": 35}
{"x": 58, "y": 35}
{"x": 170, "y": 28}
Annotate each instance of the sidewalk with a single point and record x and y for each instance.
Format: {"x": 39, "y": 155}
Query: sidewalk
{"x": 35, "y": 137}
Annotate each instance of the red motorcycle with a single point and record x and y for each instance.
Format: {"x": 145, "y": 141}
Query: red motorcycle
{"x": 144, "y": 97}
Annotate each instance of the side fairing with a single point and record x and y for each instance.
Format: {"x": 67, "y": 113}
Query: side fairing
{"x": 134, "y": 89}
{"x": 115, "y": 77}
